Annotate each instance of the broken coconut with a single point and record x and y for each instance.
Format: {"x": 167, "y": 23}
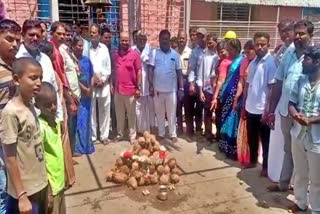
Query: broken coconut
{"x": 119, "y": 162}
{"x": 172, "y": 163}
{"x": 109, "y": 175}
{"x": 132, "y": 183}
{"x": 160, "y": 170}
{"x": 125, "y": 169}
{"x": 135, "y": 165}
{"x": 144, "y": 152}
{"x": 164, "y": 179}
{"x": 174, "y": 178}
{"x": 176, "y": 170}
{"x": 166, "y": 169}
{"x": 120, "y": 177}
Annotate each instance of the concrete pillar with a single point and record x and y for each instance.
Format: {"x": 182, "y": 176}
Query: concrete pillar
{"x": 54, "y": 10}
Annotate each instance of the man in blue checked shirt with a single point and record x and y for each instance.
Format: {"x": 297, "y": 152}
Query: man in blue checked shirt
{"x": 206, "y": 74}
{"x": 193, "y": 104}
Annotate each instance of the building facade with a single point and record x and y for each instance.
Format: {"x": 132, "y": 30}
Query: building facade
{"x": 218, "y": 16}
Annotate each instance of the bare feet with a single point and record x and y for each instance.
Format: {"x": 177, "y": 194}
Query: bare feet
{"x": 74, "y": 162}
{"x": 105, "y": 142}
{"x": 295, "y": 209}
{"x": 174, "y": 140}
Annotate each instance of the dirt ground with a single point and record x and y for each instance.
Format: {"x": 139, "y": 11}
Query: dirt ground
{"x": 209, "y": 184}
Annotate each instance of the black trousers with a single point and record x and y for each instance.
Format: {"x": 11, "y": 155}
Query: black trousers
{"x": 113, "y": 118}
{"x": 193, "y": 109}
{"x": 258, "y": 131}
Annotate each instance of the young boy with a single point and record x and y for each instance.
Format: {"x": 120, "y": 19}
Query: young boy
{"x": 260, "y": 77}
{"x": 304, "y": 108}
{"x": 21, "y": 142}
{"x": 46, "y": 101}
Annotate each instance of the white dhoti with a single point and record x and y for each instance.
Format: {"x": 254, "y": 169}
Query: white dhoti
{"x": 143, "y": 114}
{"x": 166, "y": 102}
{"x": 276, "y": 152}
{"x": 104, "y": 117}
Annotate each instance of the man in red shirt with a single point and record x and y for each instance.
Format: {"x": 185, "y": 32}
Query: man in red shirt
{"x": 58, "y": 33}
{"x": 127, "y": 74}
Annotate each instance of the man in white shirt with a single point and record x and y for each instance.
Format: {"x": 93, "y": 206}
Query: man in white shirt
{"x": 185, "y": 53}
{"x": 101, "y": 98}
{"x": 260, "y": 78}
{"x": 145, "y": 105}
{"x": 32, "y": 34}
{"x": 165, "y": 73}
{"x": 71, "y": 68}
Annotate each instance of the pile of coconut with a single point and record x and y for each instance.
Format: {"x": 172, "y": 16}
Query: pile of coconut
{"x": 145, "y": 164}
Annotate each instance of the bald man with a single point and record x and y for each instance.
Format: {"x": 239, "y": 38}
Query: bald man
{"x": 127, "y": 88}
{"x": 101, "y": 98}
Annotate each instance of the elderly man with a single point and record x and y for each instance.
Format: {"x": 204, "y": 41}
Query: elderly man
{"x": 127, "y": 89}
{"x": 70, "y": 66}
{"x": 100, "y": 58}
{"x": 145, "y": 110}
{"x": 9, "y": 44}
{"x": 164, "y": 75}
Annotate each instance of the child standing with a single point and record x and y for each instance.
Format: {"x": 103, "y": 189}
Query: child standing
{"x": 46, "y": 101}
{"x": 21, "y": 142}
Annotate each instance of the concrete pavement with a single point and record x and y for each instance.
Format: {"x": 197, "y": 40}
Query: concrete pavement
{"x": 209, "y": 184}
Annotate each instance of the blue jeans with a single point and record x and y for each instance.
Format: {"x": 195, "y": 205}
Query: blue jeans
{"x": 3, "y": 194}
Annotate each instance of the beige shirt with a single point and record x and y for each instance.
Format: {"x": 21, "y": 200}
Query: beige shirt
{"x": 20, "y": 126}
{"x": 70, "y": 67}
{"x": 184, "y": 57}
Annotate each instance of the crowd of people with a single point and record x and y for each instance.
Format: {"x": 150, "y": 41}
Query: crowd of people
{"x": 60, "y": 93}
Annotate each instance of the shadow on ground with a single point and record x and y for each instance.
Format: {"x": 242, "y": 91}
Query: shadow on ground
{"x": 257, "y": 184}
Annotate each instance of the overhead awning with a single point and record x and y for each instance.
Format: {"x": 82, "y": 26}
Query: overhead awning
{"x": 290, "y": 3}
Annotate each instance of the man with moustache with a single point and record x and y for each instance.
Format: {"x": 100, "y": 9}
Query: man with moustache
{"x": 69, "y": 104}
{"x": 286, "y": 31}
{"x": 166, "y": 85}
{"x": 127, "y": 89}
{"x": 71, "y": 68}
{"x": 288, "y": 72}
{"x": 193, "y": 42}
{"x": 106, "y": 39}
{"x": 9, "y": 44}
{"x": 257, "y": 90}
{"x": 193, "y": 104}
{"x": 304, "y": 108}
{"x": 31, "y": 33}
{"x": 101, "y": 98}
{"x": 145, "y": 105}
{"x": 184, "y": 52}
